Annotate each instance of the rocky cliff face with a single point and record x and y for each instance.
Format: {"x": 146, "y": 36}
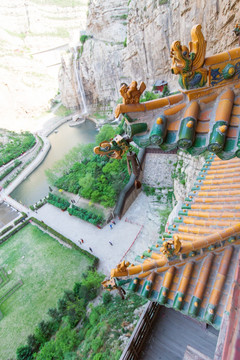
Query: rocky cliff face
{"x": 132, "y": 39}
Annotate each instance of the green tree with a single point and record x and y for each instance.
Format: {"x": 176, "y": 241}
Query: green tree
{"x": 69, "y": 296}
{"x": 107, "y": 297}
{"x": 55, "y": 315}
{"x": 107, "y": 132}
{"x": 33, "y": 343}
{"x": 44, "y": 331}
{"x": 48, "y": 352}
{"x": 62, "y": 306}
{"x": 24, "y": 353}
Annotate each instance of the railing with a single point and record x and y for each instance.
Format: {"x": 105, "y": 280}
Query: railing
{"x": 121, "y": 206}
{"x": 141, "y": 332}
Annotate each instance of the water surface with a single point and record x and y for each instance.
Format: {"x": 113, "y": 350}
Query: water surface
{"x": 35, "y": 187}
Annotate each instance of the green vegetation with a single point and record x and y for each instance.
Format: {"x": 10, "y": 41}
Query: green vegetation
{"x": 99, "y": 116}
{"x": 86, "y": 215}
{"x": 165, "y": 197}
{"x": 14, "y": 231}
{"x": 6, "y": 229}
{"x": 20, "y": 35}
{"x": 16, "y": 145}
{"x": 71, "y": 308}
{"x": 58, "y": 201}
{"x": 83, "y": 38}
{"x": 179, "y": 173}
{"x": 61, "y": 3}
{"x": 21, "y": 219}
{"x": 106, "y": 323}
{"x": 39, "y": 204}
{"x": 125, "y": 42}
{"x": 93, "y": 177}
{"x": 123, "y": 17}
{"x": 10, "y": 169}
{"x": 59, "y": 32}
{"x": 62, "y": 111}
{"x": 15, "y": 174}
{"x": 56, "y": 234}
{"x": 149, "y": 95}
{"x": 164, "y": 214}
{"x": 98, "y": 335}
{"x": 46, "y": 269}
{"x": 148, "y": 189}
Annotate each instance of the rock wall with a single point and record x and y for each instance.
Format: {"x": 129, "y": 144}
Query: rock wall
{"x": 158, "y": 169}
{"x": 186, "y": 172}
{"x": 132, "y": 40}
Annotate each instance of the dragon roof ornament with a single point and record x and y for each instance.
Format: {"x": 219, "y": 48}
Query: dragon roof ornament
{"x": 188, "y": 62}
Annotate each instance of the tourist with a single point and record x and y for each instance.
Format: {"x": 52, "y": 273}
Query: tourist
{"x": 110, "y": 243}
{"x": 111, "y": 226}
{"x": 113, "y": 222}
{"x": 82, "y": 241}
{"x": 90, "y": 249}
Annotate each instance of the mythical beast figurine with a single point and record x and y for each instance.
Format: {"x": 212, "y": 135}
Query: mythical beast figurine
{"x": 131, "y": 94}
{"x": 188, "y": 62}
{"x": 114, "y": 148}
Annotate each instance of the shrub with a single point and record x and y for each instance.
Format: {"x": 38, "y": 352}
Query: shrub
{"x": 86, "y": 215}
{"x": 98, "y": 357}
{"x": 14, "y": 231}
{"x": 58, "y": 201}
{"x": 10, "y": 169}
{"x": 6, "y": 229}
{"x": 148, "y": 190}
{"x": 83, "y": 38}
{"x": 44, "y": 331}
{"x": 17, "y": 146}
{"x": 54, "y": 314}
{"x": 62, "y": 306}
{"x": 107, "y": 297}
{"x": 19, "y": 220}
{"x": 24, "y": 353}
{"x": 33, "y": 343}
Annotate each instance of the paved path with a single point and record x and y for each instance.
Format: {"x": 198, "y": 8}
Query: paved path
{"x": 122, "y": 235}
{"x": 130, "y": 236}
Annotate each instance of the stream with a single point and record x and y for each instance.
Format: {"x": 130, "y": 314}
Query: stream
{"x": 35, "y": 186}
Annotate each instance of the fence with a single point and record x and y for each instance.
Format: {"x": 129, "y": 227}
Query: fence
{"x": 129, "y": 192}
{"x": 141, "y": 333}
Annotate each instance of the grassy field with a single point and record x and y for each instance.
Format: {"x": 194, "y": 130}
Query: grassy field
{"x": 46, "y": 269}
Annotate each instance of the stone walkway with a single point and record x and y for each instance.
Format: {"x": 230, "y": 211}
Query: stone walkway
{"x": 130, "y": 236}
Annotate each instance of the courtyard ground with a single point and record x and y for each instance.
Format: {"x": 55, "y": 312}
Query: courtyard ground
{"x": 7, "y": 214}
{"x": 41, "y": 269}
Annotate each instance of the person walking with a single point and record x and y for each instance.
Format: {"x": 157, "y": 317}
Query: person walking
{"x": 90, "y": 249}
{"x": 110, "y": 243}
{"x": 113, "y": 222}
{"x": 82, "y": 241}
{"x": 111, "y": 226}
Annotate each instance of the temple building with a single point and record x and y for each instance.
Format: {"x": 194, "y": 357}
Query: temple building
{"x": 194, "y": 267}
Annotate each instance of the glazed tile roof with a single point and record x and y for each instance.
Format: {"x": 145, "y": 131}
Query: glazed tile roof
{"x": 192, "y": 267}
{"x": 205, "y": 115}
{"x": 210, "y": 122}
